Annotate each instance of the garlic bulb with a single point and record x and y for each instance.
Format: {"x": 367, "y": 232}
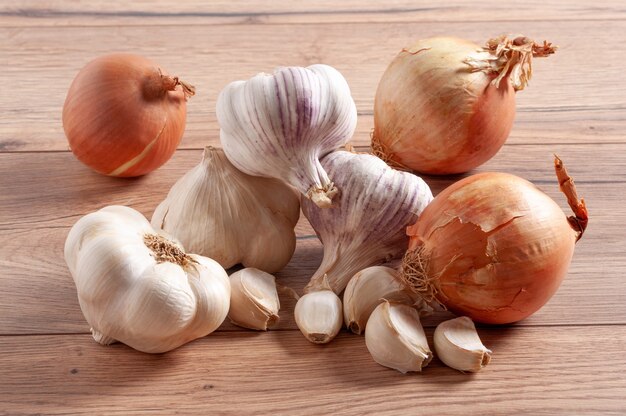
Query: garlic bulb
{"x": 219, "y": 212}
{"x": 280, "y": 125}
{"x": 395, "y": 338}
{"x": 138, "y": 287}
{"x": 254, "y": 302}
{"x": 367, "y": 289}
{"x": 368, "y": 224}
{"x": 457, "y": 344}
{"x": 318, "y": 316}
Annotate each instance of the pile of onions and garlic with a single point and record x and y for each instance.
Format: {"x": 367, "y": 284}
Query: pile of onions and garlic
{"x": 491, "y": 248}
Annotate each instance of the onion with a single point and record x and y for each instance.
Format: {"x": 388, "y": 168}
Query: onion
{"x": 493, "y": 246}
{"x": 124, "y": 116}
{"x": 446, "y": 105}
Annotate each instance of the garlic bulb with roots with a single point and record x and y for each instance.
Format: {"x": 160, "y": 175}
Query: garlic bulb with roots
{"x": 280, "y": 125}
{"x": 138, "y": 286}
{"x": 367, "y": 224}
{"x": 218, "y": 211}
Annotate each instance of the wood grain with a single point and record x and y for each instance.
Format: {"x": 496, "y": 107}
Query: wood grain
{"x": 40, "y": 296}
{"x": 38, "y": 186}
{"x": 532, "y": 126}
{"x": 566, "y": 359}
{"x": 547, "y": 371}
{"x": 558, "y": 106}
{"x": 118, "y": 13}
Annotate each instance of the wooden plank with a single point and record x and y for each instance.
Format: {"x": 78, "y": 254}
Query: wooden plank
{"x": 533, "y": 371}
{"x": 561, "y": 104}
{"x": 38, "y": 295}
{"x": 55, "y": 189}
{"x": 59, "y": 13}
{"x": 45, "y": 193}
{"x": 536, "y": 126}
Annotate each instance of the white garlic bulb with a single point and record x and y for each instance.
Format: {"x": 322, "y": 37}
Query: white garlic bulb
{"x": 318, "y": 316}
{"x": 219, "y": 212}
{"x": 457, "y": 344}
{"x": 395, "y": 338}
{"x": 254, "y": 302}
{"x": 280, "y": 125}
{"x": 367, "y": 289}
{"x": 367, "y": 224}
{"x": 138, "y": 287}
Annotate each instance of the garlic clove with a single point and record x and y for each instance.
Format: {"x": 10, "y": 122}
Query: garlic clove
{"x": 395, "y": 338}
{"x": 457, "y": 344}
{"x": 367, "y": 289}
{"x": 319, "y": 316}
{"x": 254, "y": 302}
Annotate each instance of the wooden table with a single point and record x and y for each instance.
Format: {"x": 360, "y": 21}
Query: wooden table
{"x": 569, "y": 358}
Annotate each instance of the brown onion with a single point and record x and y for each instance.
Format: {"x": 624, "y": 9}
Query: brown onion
{"x": 124, "y": 116}
{"x": 493, "y": 246}
{"x": 446, "y": 105}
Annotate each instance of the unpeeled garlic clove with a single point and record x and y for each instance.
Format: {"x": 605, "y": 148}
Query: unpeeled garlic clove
{"x": 395, "y": 337}
{"x": 254, "y": 302}
{"x": 367, "y": 289}
{"x": 319, "y": 316}
{"x": 457, "y": 344}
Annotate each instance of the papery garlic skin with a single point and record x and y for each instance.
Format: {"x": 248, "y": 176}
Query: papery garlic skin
{"x": 140, "y": 288}
{"x": 319, "y": 316}
{"x": 280, "y": 125}
{"x": 395, "y": 338}
{"x": 220, "y": 212}
{"x": 367, "y": 289}
{"x": 254, "y": 302}
{"x": 457, "y": 344}
{"x": 367, "y": 223}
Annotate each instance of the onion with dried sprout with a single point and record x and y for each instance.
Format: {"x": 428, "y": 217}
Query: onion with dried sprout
{"x": 493, "y": 246}
{"x": 124, "y": 116}
{"x": 446, "y": 105}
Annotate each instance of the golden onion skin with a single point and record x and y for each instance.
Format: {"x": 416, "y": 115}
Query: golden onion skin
{"x": 496, "y": 248}
{"x": 123, "y": 116}
{"x": 446, "y": 105}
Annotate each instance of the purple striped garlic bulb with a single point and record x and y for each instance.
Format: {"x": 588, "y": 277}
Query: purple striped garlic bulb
{"x": 281, "y": 125}
{"x": 365, "y": 226}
